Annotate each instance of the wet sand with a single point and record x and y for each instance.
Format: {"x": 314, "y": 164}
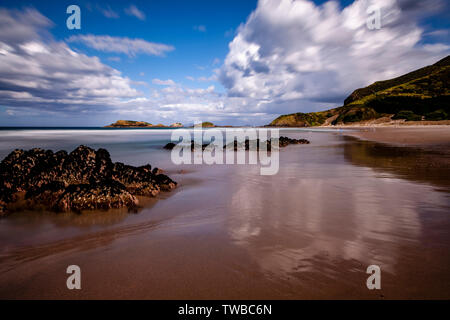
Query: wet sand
{"x": 424, "y": 136}
{"x": 336, "y": 206}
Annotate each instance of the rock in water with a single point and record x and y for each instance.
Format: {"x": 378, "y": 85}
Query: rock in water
{"x": 285, "y": 141}
{"x": 84, "y": 179}
{"x": 249, "y": 144}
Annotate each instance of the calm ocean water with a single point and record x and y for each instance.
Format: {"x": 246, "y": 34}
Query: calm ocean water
{"x": 335, "y": 207}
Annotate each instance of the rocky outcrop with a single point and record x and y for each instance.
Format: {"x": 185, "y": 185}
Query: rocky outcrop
{"x": 254, "y": 145}
{"x": 285, "y": 141}
{"x": 248, "y": 144}
{"x": 141, "y": 124}
{"x": 129, "y": 124}
{"x": 81, "y": 180}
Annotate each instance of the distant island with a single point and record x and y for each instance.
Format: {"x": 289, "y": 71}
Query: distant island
{"x": 421, "y": 96}
{"x": 205, "y": 124}
{"x": 141, "y": 124}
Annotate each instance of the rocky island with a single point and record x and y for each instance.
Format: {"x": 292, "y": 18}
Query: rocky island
{"x": 84, "y": 179}
{"x": 141, "y": 124}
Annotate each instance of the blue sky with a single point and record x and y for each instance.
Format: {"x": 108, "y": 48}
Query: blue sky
{"x": 170, "y": 22}
{"x": 170, "y": 61}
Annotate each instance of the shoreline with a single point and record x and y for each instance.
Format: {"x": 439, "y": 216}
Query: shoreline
{"x": 424, "y": 137}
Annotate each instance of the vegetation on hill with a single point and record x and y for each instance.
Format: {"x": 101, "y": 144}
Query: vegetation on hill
{"x": 207, "y": 124}
{"x": 141, "y": 124}
{"x": 129, "y": 123}
{"x": 383, "y": 85}
{"x": 423, "y": 94}
{"x": 303, "y": 119}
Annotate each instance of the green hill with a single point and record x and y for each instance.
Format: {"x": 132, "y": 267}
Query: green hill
{"x": 423, "y": 94}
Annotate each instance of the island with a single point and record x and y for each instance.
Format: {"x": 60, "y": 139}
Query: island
{"x": 204, "y": 124}
{"x": 141, "y": 124}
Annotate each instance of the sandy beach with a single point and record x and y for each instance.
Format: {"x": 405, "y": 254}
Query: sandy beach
{"x": 420, "y": 136}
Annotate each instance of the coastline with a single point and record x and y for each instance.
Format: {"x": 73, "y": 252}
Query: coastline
{"x": 397, "y": 134}
{"x": 415, "y": 136}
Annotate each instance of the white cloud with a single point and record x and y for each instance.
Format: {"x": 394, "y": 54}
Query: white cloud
{"x": 160, "y": 82}
{"x": 47, "y": 75}
{"x": 436, "y": 48}
{"x": 295, "y": 54}
{"x": 208, "y": 79}
{"x": 130, "y": 47}
{"x": 132, "y": 10}
{"x": 178, "y": 103}
{"x": 108, "y": 12}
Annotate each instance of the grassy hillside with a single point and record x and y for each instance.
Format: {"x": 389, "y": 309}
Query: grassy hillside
{"x": 383, "y": 85}
{"x": 305, "y": 119}
{"x": 423, "y": 94}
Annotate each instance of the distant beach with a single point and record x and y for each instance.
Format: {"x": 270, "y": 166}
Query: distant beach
{"x": 424, "y": 136}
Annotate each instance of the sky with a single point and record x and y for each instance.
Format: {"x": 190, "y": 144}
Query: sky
{"x": 234, "y": 62}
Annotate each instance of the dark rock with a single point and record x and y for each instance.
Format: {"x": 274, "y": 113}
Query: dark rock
{"x": 284, "y": 141}
{"x": 170, "y": 146}
{"x": 6, "y": 196}
{"x": 253, "y": 145}
{"x": 249, "y": 145}
{"x": 22, "y": 169}
{"x": 164, "y": 182}
{"x": 157, "y": 171}
{"x": 104, "y": 195}
{"x": 46, "y": 194}
{"x": 83, "y": 179}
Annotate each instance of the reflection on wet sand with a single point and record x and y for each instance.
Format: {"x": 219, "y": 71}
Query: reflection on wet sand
{"x": 10, "y": 260}
{"x": 286, "y": 233}
{"x": 332, "y": 221}
{"x": 431, "y": 166}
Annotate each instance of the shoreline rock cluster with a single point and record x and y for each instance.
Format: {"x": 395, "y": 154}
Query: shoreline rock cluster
{"x": 248, "y": 144}
{"x": 84, "y": 179}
